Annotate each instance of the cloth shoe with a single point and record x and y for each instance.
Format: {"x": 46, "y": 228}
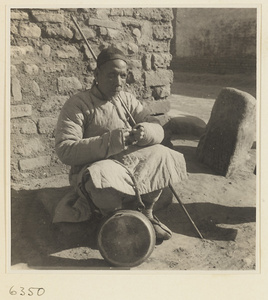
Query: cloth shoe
{"x": 162, "y": 232}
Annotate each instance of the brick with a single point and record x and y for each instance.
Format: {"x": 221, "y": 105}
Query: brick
{"x": 36, "y": 88}
{"x": 160, "y": 92}
{"x": 67, "y": 52}
{"x": 27, "y": 147}
{"x": 154, "y": 14}
{"x": 230, "y": 132}
{"x": 102, "y": 13}
{"x": 16, "y": 89}
{"x": 13, "y": 70}
{"x": 131, "y": 23}
{"x": 113, "y": 33}
{"x": 88, "y": 33}
{"x": 156, "y": 46}
{"x": 34, "y": 163}
{"x": 18, "y": 111}
{"x": 146, "y": 32}
{"x": 133, "y": 48}
{"x": 55, "y": 102}
{"x": 135, "y": 63}
{"x": 25, "y": 127}
{"x": 52, "y": 67}
{"x": 48, "y": 17}
{"x": 29, "y": 30}
{"x": 162, "y": 32}
{"x": 161, "y": 60}
{"x": 136, "y": 32}
{"x": 135, "y": 75}
{"x": 147, "y": 61}
{"x": 122, "y": 12}
{"x": 59, "y": 31}
{"x": 103, "y": 31}
{"x": 19, "y": 52}
{"x": 13, "y": 29}
{"x": 158, "y": 78}
{"x": 31, "y": 69}
{"x": 103, "y": 23}
{"x": 46, "y": 124}
{"x": 19, "y": 15}
{"x": 67, "y": 84}
{"x": 46, "y": 50}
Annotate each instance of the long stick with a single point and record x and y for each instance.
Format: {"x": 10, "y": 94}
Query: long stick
{"x": 83, "y": 36}
{"x": 186, "y": 212}
{"x": 134, "y": 123}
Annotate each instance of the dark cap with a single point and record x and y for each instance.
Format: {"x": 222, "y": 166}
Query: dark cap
{"x": 110, "y": 53}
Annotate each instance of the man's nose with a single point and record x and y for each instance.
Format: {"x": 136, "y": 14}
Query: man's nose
{"x": 118, "y": 80}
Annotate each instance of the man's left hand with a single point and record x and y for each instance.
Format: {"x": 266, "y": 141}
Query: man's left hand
{"x": 138, "y": 132}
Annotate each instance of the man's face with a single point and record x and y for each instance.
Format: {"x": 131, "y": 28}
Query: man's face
{"x": 111, "y": 77}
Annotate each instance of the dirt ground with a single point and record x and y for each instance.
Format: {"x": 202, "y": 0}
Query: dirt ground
{"x": 224, "y": 209}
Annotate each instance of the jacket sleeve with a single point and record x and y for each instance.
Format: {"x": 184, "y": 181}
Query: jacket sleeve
{"x": 154, "y": 132}
{"x": 72, "y": 148}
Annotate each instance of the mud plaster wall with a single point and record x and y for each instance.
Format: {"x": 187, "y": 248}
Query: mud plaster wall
{"x": 216, "y": 39}
{"x": 50, "y": 62}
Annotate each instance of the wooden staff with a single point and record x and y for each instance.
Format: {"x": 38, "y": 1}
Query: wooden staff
{"x": 83, "y": 36}
{"x": 133, "y": 124}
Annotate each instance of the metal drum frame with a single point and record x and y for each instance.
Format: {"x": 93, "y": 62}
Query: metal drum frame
{"x": 126, "y": 238}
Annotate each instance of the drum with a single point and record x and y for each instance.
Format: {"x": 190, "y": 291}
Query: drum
{"x": 126, "y": 239}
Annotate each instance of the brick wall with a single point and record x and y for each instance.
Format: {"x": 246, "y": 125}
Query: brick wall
{"x": 50, "y": 62}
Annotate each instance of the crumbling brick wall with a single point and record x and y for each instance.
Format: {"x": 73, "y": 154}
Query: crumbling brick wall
{"x": 50, "y": 61}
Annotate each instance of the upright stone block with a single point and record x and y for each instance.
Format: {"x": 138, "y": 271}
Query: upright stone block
{"x": 229, "y": 133}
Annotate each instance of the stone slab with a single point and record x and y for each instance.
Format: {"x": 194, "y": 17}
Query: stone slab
{"x": 230, "y": 132}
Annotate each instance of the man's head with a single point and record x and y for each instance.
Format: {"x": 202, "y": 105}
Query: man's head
{"x": 111, "y": 72}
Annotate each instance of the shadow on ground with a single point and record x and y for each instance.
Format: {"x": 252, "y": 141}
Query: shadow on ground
{"x": 209, "y": 218}
{"x": 36, "y": 242}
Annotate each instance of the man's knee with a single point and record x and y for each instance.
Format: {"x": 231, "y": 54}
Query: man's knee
{"x": 107, "y": 199}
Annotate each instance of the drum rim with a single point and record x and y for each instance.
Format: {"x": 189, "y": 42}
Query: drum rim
{"x": 151, "y": 244}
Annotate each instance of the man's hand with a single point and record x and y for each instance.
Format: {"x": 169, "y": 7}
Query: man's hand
{"x": 138, "y": 132}
{"x": 133, "y": 136}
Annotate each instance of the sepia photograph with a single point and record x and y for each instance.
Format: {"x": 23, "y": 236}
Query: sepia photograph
{"x": 133, "y": 161}
{"x": 133, "y": 138}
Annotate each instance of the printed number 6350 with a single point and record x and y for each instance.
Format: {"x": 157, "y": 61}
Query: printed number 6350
{"x": 31, "y": 291}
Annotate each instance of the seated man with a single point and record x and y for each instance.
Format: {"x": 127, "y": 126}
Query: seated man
{"x": 114, "y": 163}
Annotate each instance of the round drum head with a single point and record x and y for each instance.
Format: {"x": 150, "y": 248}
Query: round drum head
{"x": 126, "y": 239}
